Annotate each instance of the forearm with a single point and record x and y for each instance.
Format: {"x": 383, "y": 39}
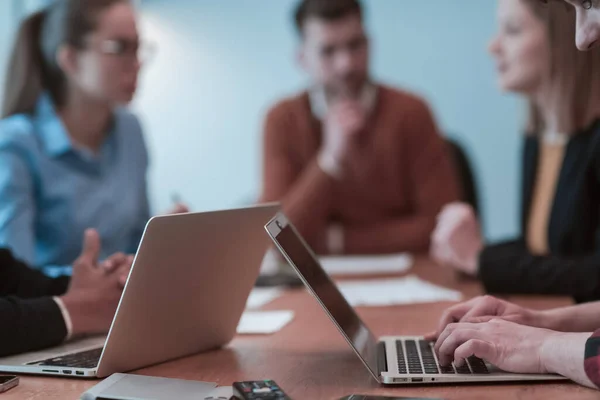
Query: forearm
{"x": 410, "y": 233}
{"x": 17, "y": 279}
{"x": 307, "y": 203}
{"x": 512, "y": 269}
{"x": 564, "y": 353}
{"x": 579, "y": 318}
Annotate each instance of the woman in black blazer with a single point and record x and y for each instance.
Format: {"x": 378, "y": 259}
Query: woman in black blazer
{"x": 558, "y": 251}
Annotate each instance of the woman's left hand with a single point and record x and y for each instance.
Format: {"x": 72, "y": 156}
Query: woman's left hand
{"x": 456, "y": 241}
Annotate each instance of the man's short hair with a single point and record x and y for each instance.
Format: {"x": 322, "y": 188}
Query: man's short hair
{"x": 327, "y": 10}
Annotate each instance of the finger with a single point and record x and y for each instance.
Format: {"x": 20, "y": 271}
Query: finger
{"x": 440, "y": 254}
{"x": 454, "y": 340}
{"x": 485, "y": 306}
{"x": 181, "y": 209}
{"x": 110, "y": 264}
{"x": 480, "y": 319}
{"x": 431, "y": 336}
{"x": 444, "y": 335}
{"x": 123, "y": 280}
{"x": 123, "y": 269}
{"x": 475, "y": 347}
{"x": 454, "y": 314}
{"x": 91, "y": 247}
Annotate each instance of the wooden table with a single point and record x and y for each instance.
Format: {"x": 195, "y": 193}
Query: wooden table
{"x": 311, "y": 361}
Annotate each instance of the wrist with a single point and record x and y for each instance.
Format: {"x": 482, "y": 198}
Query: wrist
{"x": 548, "y": 356}
{"x": 563, "y": 353}
{"x": 335, "y": 239}
{"x": 550, "y": 319}
{"x": 81, "y": 323}
{"x": 472, "y": 263}
{"x": 329, "y": 164}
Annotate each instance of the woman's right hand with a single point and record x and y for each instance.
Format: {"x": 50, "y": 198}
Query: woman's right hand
{"x": 178, "y": 208}
{"x": 486, "y": 308}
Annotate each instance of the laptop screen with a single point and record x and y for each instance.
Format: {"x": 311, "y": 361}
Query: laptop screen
{"x": 301, "y": 257}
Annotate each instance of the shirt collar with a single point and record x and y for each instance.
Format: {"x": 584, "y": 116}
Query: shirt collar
{"x": 318, "y": 99}
{"x": 54, "y": 135}
{"x": 51, "y": 130}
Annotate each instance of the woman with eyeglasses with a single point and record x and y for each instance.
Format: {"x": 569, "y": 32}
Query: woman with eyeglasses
{"x": 71, "y": 156}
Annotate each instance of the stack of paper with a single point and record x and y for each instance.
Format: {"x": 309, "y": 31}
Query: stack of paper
{"x": 387, "y": 292}
{"x": 262, "y": 296}
{"x": 362, "y": 265}
{"x": 263, "y": 322}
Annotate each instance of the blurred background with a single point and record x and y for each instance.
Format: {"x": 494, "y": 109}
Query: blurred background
{"x": 221, "y": 63}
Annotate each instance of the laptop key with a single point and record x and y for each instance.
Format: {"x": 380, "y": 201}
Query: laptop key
{"x": 478, "y": 365}
{"x": 447, "y": 369}
{"x": 402, "y": 368}
{"x": 464, "y": 370}
{"x": 84, "y": 359}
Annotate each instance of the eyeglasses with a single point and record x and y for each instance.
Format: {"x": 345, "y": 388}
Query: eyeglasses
{"x": 128, "y": 49}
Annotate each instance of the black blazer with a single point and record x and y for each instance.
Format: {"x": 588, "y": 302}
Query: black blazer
{"x": 573, "y": 268}
{"x": 29, "y": 318}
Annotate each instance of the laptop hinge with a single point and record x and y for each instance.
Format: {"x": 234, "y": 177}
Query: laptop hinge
{"x": 382, "y": 365}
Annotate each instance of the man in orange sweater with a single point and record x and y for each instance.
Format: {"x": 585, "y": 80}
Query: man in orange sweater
{"x": 359, "y": 167}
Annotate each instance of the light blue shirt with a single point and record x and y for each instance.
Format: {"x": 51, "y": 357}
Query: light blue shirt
{"x": 51, "y": 191}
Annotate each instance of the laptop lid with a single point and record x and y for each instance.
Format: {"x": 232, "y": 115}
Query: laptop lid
{"x": 187, "y": 288}
{"x": 297, "y": 252}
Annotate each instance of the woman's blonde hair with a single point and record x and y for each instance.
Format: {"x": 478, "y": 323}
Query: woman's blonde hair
{"x": 575, "y": 75}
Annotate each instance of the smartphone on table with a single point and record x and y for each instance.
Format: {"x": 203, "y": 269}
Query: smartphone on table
{"x": 8, "y": 382}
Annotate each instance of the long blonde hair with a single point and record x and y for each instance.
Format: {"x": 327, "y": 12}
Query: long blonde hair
{"x": 575, "y": 74}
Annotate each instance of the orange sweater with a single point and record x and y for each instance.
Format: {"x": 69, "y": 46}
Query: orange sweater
{"x": 400, "y": 175}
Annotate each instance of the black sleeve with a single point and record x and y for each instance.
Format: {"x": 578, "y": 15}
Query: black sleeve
{"x": 17, "y": 279}
{"x": 29, "y": 318}
{"x": 509, "y": 268}
{"x": 30, "y": 324}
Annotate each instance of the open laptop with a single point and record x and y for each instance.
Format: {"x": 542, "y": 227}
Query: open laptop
{"x": 390, "y": 360}
{"x": 185, "y": 294}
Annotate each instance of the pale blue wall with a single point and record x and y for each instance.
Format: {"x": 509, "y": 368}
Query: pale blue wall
{"x": 221, "y": 63}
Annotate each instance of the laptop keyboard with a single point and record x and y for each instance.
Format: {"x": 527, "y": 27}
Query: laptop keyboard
{"x": 417, "y": 357}
{"x": 82, "y": 359}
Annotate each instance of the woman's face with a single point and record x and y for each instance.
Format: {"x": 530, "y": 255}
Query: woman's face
{"x": 108, "y": 68}
{"x": 521, "y": 48}
{"x": 588, "y": 23}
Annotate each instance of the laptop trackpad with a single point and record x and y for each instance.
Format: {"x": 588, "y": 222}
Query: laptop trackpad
{"x": 127, "y": 386}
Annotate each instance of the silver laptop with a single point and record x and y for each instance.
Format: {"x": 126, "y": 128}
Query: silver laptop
{"x": 185, "y": 294}
{"x": 390, "y": 360}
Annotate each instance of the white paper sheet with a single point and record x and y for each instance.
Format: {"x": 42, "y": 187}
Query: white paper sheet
{"x": 387, "y": 292}
{"x": 361, "y": 265}
{"x": 263, "y": 322}
{"x": 262, "y": 296}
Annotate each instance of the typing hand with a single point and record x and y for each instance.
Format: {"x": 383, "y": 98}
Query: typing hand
{"x": 509, "y": 346}
{"x": 456, "y": 241}
{"x": 484, "y": 309}
{"x": 94, "y": 291}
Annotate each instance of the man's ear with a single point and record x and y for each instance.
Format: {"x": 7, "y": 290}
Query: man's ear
{"x": 66, "y": 58}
